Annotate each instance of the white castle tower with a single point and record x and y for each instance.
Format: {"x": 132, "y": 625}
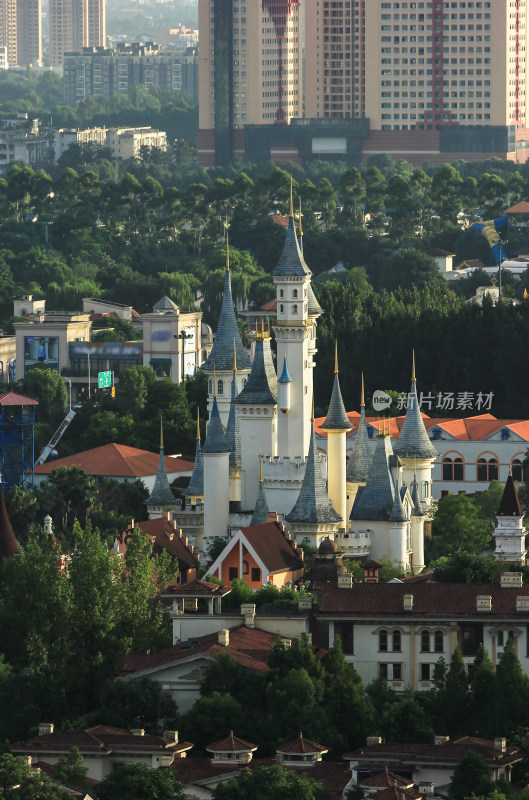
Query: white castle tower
{"x": 509, "y": 533}
{"x": 161, "y": 498}
{"x": 216, "y": 460}
{"x": 360, "y": 459}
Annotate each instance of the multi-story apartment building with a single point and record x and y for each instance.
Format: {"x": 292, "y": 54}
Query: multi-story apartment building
{"x": 122, "y": 142}
{"x": 8, "y": 29}
{"x": 105, "y": 73}
{"x": 250, "y": 71}
{"x": 75, "y": 24}
{"x": 29, "y": 32}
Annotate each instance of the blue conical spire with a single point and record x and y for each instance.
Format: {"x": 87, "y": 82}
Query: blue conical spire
{"x": 260, "y": 513}
{"x": 377, "y": 498}
{"x": 196, "y": 483}
{"x": 291, "y": 261}
{"x": 398, "y": 513}
{"x": 336, "y": 419}
{"x": 227, "y": 331}
{"x": 285, "y": 375}
{"x": 413, "y": 441}
{"x": 161, "y": 494}
{"x": 233, "y": 428}
{"x": 216, "y": 435}
{"x": 313, "y": 504}
{"x": 258, "y": 389}
{"x": 361, "y": 456}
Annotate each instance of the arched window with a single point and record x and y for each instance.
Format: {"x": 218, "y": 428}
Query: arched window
{"x": 220, "y": 386}
{"x": 487, "y": 469}
{"x": 383, "y": 641}
{"x": 396, "y": 641}
{"x": 453, "y": 468}
{"x": 210, "y": 386}
{"x": 294, "y": 293}
{"x": 425, "y": 642}
{"x": 244, "y": 382}
{"x": 517, "y": 470}
{"x": 281, "y": 308}
{"x": 438, "y": 641}
{"x": 281, "y": 293}
{"x": 295, "y": 308}
{"x": 425, "y": 489}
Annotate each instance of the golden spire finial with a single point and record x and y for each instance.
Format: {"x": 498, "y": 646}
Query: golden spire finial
{"x": 198, "y": 424}
{"x": 362, "y": 401}
{"x": 336, "y": 356}
{"x": 312, "y": 415}
{"x": 413, "y": 365}
{"x": 227, "y": 251}
{"x": 214, "y": 382}
{"x": 291, "y": 200}
{"x": 260, "y": 467}
{"x": 300, "y": 229}
{"x": 161, "y": 432}
{"x": 234, "y": 357}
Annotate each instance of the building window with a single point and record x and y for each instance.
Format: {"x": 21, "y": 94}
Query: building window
{"x": 281, "y": 293}
{"x": 294, "y": 293}
{"x": 396, "y": 641}
{"x": 383, "y": 641}
{"x": 256, "y": 575}
{"x": 425, "y": 672}
{"x": 453, "y": 469}
{"x": 425, "y": 642}
{"x": 383, "y": 671}
{"x": 517, "y": 470}
{"x": 220, "y": 386}
{"x": 500, "y": 638}
{"x": 397, "y": 672}
{"x": 295, "y": 308}
{"x": 245, "y": 568}
{"x": 487, "y": 469}
{"x": 438, "y": 641}
{"x": 281, "y": 308}
{"x": 233, "y": 573}
{"x": 470, "y": 637}
{"x": 425, "y": 489}
{"x": 345, "y": 630}
{"x": 210, "y": 386}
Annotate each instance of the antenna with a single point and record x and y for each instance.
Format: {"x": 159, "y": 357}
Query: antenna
{"x": 161, "y": 432}
{"x": 198, "y": 424}
{"x": 260, "y": 467}
{"x": 336, "y": 356}
{"x": 234, "y": 356}
{"x": 291, "y": 200}
{"x": 362, "y": 401}
{"x": 300, "y": 230}
{"x": 227, "y": 251}
{"x": 413, "y": 365}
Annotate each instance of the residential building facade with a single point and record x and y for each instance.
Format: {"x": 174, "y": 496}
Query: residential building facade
{"x": 74, "y": 24}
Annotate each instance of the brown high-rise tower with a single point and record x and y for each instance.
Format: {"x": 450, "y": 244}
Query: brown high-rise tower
{"x": 75, "y": 24}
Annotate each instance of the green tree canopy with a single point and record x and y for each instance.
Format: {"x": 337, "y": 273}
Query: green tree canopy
{"x": 140, "y": 782}
{"x": 268, "y": 783}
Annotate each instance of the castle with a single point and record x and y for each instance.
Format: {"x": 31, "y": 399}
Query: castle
{"x": 260, "y": 452}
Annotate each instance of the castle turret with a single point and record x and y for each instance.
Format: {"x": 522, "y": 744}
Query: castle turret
{"x": 216, "y": 456}
{"x": 398, "y": 527}
{"x": 233, "y": 437}
{"x": 257, "y": 408}
{"x": 283, "y": 388}
{"x": 313, "y": 517}
{"x": 221, "y": 357}
{"x": 260, "y": 513}
{"x": 336, "y": 425}
{"x": 360, "y": 459}
{"x": 195, "y": 489}
{"x": 509, "y": 533}
{"x": 418, "y": 516}
{"x": 414, "y": 448}
{"x": 161, "y": 498}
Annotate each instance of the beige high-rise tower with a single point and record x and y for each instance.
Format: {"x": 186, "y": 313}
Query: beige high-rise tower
{"x": 8, "y": 29}
{"x": 250, "y": 70}
{"x": 418, "y": 65}
{"x": 75, "y": 24}
{"x": 29, "y": 32}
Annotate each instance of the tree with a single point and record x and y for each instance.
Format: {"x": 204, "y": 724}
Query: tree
{"x": 133, "y": 387}
{"x": 140, "y": 782}
{"x": 268, "y": 783}
{"x": 211, "y": 717}
{"x": 511, "y": 692}
{"x": 71, "y": 771}
{"x": 457, "y": 525}
{"x": 454, "y": 696}
{"x": 13, "y": 771}
{"x": 139, "y": 703}
{"x": 40, "y": 787}
{"x": 471, "y": 777}
{"x": 482, "y": 684}
{"x": 46, "y": 385}
{"x": 465, "y": 567}
{"x": 407, "y": 721}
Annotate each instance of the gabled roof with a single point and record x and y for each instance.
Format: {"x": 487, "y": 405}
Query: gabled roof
{"x": 313, "y": 505}
{"x": 301, "y": 746}
{"x": 231, "y": 744}
{"x": 522, "y": 207}
{"x": 116, "y": 460}
{"x": 361, "y": 456}
{"x": 336, "y": 419}
{"x": 195, "y": 487}
{"x": 8, "y": 543}
{"x": 510, "y": 504}
{"x": 216, "y": 435}
{"x": 397, "y": 793}
{"x": 450, "y": 752}
{"x": 384, "y": 779}
{"x": 165, "y": 304}
{"x": 291, "y": 260}
{"x": 161, "y": 494}
{"x": 16, "y": 399}
{"x": 273, "y": 547}
{"x": 196, "y": 588}
{"x": 375, "y": 501}
{"x": 221, "y": 356}
{"x": 413, "y": 441}
{"x": 260, "y": 388}
{"x": 233, "y": 429}
{"x": 101, "y": 739}
{"x": 165, "y": 538}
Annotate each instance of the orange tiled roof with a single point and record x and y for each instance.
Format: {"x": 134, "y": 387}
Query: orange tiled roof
{"x": 301, "y": 746}
{"x": 451, "y": 751}
{"x": 116, "y": 460}
{"x": 15, "y": 399}
{"x": 231, "y": 744}
{"x": 99, "y": 738}
{"x": 519, "y": 208}
{"x": 273, "y": 547}
{"x": 165, "y": 537}
{"x": 197, "y": 587}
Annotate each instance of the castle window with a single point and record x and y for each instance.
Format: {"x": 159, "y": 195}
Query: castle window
{"x": 517, "y": 470}
{"x": 438, "y": 641}
{"x": 453, "y": 469}
{"x": 425, "y": 642}
{"x": 425, "y": 489}
{"x": 488, "y": 469}
{"x": 281, "y": 293}
{"x": 396, "y": 641}
{"x": 383, "y": 641}
{"x": 295, "y": 308}
{"x": 220, "y": 386}
{"x": 294, "y": 293}
{"x": 245, "y": 568}
{"x": 210, "y": 386}
{"x": 281, "y": 308}
{"x": 425, "y": 672}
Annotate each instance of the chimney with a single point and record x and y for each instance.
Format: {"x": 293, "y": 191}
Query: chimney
{"x": 172, "y": 735}
{"x": 248, "y": 612}
{"x": 522, "y": 603}
{"x": 373, "y": 740}
{"x": 345, "y": 580}
{"x": 29, "y": 759}
{"x": 137, "y": 731}
{"x": 408, "y": 602}
{"x": 500, "y": 744}
{"x": 441, "y": 739}
{"x": 224, "y": 637}
{"x": 130, "y": 524}
{"x": 305, "y": 604}
{"x": 484, "y": 603}
{"x": 45, "y": 728}
{"x": 511, "y": 579}
{"x": 48, "y": 524}
{"x": 426, "y": 787}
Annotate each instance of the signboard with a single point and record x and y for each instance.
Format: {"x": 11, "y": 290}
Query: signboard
{"x": 104, "y": 379}
{"x": 41, "y": 350}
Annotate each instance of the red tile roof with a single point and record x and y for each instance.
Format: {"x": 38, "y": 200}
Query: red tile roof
{"x": 14, "y": 399}
{"x": 519, "y": 208}
{"x": 100, "y": 738}
{"x": 448, "y": 752}
{"x": 273, "y": 547}
{"x": 443, "y": 599}
{"x": 116, "y": 460}
{"x": 249, "y": 646}
{"x": 270, "y": 306}
{"x": 396, "y": 793}
{"x": 385, "y": 779}
{"x": 231, "y": 744}
{"x": 301, "y": 746}
{"x": 198, "y": 588}
{"x": 166, "y": 538}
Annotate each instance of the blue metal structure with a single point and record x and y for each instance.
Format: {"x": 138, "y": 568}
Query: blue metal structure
{"x": 17, "y": 439}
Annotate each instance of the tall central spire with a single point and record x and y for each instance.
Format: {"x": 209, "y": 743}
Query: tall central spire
{"x": 413, "y": 441}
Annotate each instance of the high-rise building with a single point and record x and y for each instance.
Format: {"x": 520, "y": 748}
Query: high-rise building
{"x": 29, "y": 32}
{"x": 8, "y": 29}
{"x": 250, "y": 70}
{"x": 418, "y": 65}
{"x": 75, "y": 24}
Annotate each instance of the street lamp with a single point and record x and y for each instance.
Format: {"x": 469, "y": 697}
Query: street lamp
{"x": 70, "y": 389}
{"x": 9, "y": 362}
{"x": 183, "y": 336}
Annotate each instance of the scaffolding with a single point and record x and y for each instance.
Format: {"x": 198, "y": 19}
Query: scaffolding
{"x": 17, "y": 439}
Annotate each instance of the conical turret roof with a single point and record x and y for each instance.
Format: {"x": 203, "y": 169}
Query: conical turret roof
{"x": 336, "y": 419}
{"x": 510, "y": 504}
{"x": 260, "y": 513}
{"x": 398, "y": 513}
{"x": 285, "y": 374}
{"x": 216, "y": 435}
{"x": 361, "y": 456}
{"x": 196, "y": 483}
{"x": 378, "y": 496}
{"x": 161, "y": 494}
{"x": 413, "y": 441}
{"x": 313, "y": 504}
{"x": 8, "y": 543}
{"x": 418, "y": 506}
{"x": 313, "y": 307}
{"x": 291, "y": 260}
{"x": 221, "y": 356}
{"x": 233, "y": 429}
{"x": 165, "y": 304}
{"x": 258, "y": 389}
